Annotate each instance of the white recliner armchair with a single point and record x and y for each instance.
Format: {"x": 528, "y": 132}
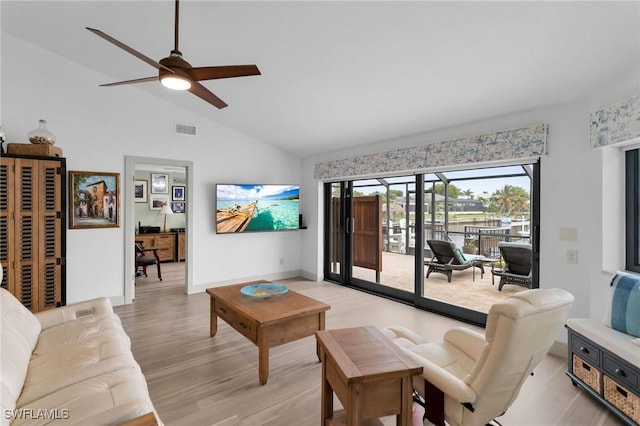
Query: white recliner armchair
{"x": 471, "y": 378}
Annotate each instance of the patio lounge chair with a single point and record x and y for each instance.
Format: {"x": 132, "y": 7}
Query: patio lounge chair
{"x": 448, "y": 258}
{"x": 517, "y": 270}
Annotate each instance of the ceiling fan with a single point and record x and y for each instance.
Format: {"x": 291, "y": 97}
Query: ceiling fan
{"x": 176, "y": 73}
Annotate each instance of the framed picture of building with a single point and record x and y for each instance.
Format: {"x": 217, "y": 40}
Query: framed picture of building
{"x": 94, "y": 200}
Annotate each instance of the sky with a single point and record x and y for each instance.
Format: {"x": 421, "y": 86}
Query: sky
{"x": 109, "y": 180}
{"x": 478, "y": 186}
{"x": 255, "y": 192}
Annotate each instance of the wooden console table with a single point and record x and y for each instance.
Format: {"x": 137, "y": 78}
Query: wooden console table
{"x": 371, "y": 376}
{"x": 165, "y": 242}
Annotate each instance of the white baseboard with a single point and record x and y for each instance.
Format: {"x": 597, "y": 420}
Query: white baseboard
{"x": 268, "y": 277}
{"x": 310, "y": 276}
{"x": 117, "y": 300}
{"x": 559, "y": 349}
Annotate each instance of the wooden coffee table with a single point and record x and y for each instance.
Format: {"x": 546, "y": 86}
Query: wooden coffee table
{"x": 266, "y": 322}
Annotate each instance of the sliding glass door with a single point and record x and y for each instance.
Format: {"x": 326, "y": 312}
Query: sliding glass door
{"x": 377, "y": 233}
{"x": 367, "y": 234}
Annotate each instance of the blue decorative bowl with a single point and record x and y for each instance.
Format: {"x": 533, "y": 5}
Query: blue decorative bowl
{"x": 264, "y": 290}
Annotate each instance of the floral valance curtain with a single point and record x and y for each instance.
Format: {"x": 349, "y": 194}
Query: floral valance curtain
{"x": 617, "y": 123}
{"x": 525, "y": 142}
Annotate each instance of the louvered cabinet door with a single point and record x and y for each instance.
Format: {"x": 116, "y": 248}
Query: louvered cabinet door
{"x": 7, "y": 223}
{"x": 31, "y": 221}
{"x": 26, "y": 233}
{"x": 49, "y": 235}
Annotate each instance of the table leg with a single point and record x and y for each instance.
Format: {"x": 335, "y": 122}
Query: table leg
{"x": 213, "y": 326}
{"x": 406, "y": 416}
{"x": 354, "y": 408}
{"x": 327, "y": 395}
{"x": 263, "y": 356}
{"x": 321, "y": 324}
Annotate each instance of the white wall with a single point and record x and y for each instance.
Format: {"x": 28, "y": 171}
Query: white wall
{"x": 572, "y": 190}
{"x": 96, "y": 127}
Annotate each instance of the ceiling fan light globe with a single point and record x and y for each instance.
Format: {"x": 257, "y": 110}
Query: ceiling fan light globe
{"x": 175, "y": 82}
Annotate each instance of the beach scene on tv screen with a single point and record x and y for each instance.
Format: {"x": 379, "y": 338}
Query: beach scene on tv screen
{"x": 254, "y": 208}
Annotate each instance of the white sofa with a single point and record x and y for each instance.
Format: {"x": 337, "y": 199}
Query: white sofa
{"x": 69, "y": 365}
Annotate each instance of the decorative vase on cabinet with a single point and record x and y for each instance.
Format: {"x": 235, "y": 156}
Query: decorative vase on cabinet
{"x": 41, "y": 135}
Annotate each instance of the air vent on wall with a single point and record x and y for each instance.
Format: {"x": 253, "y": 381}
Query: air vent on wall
{"x": 186, "y": 129}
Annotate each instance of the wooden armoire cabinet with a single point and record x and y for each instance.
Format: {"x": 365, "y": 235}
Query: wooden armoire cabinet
{"x": 32, "y": 229}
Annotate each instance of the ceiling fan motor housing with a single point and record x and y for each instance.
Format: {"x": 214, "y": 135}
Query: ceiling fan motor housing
{"x": 175, "y": 61}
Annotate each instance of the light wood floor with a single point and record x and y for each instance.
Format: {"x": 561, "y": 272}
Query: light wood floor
{"x": 197, "y": 380}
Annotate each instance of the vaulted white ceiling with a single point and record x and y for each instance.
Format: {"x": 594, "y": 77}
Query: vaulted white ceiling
{"x": 341, "y": 74}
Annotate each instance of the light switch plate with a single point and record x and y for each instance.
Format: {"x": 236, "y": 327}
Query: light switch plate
{"x": 569, "y": 234}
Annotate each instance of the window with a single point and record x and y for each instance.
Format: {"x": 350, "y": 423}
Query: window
{"x": 632, "y": 215}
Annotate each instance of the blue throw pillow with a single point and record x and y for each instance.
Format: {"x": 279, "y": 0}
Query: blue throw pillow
{"x": 625, "y": 303}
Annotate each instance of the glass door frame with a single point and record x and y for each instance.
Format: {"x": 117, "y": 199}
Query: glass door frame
{"x": 345, "y": 220}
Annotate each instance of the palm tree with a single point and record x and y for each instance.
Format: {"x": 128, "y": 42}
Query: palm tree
{"x": 511, "y": 198}
{"x": 468, "y": 194}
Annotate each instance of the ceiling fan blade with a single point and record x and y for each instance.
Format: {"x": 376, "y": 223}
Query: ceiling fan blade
{"x": 137, "y": 80}
{"x": 128, "y": 49}
{"x": 204, "y": 93}
{"x": 228, "y": 71}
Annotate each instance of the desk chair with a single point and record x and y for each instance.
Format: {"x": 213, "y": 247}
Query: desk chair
{"x": 143, "y": 260}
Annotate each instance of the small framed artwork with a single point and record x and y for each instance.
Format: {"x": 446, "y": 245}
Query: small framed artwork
{"x": 159, "y": 183}
{"x": 177, "y": 193}
{"x": 157, "y": 201}
{"x": 94, "y": 200}
{"x": 140, "y": 189}
{"x": 178, "y": 206}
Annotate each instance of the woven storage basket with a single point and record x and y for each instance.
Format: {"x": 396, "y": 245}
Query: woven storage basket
{"x": 34, "y": 149}
{"x": 624, "y": 400}
{"x": 586, "y": 372}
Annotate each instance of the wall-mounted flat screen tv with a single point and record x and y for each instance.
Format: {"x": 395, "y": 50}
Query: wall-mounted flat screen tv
{"x": 257, "y": 208}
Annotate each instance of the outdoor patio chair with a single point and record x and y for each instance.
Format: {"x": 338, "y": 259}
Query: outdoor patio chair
{"x": 448, "y": 258}
{"x": 517, "y": 270}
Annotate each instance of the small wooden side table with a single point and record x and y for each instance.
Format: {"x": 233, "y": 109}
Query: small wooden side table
{"x": 371, "y": 376}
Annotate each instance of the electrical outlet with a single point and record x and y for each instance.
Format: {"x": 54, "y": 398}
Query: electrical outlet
{"x": 282, "y": 260}
{"x": 572, "y": 256}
